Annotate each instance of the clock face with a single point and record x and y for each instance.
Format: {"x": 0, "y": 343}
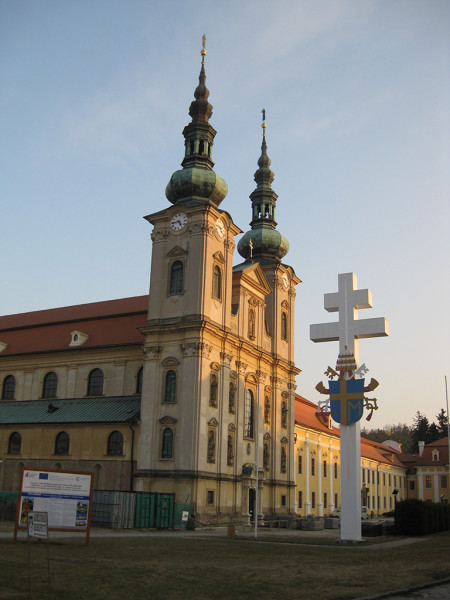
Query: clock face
{"x": 220, "y": 227}
{"x": 285, "y": 280}
{"x": 178, "y": 221}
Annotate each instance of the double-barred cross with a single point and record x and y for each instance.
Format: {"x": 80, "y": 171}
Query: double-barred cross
{"x": 348, "y": 329}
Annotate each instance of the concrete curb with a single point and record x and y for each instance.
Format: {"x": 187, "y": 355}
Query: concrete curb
{"x": 409, "y": 590}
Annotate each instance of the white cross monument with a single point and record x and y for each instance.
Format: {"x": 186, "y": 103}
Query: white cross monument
{"x": 348, "y": 330}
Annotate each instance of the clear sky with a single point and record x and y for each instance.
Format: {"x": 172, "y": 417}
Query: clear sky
{"x": 94, "y": 98}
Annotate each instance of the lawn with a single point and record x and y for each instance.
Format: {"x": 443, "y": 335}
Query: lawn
{"x": 181, "y": 568}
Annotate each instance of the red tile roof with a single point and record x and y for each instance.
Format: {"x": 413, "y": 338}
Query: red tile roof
{"x": 109, "y": 323}
{"x": 306, "y": 414}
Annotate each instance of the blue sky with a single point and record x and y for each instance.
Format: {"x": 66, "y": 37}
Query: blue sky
{"x": 95, "y": 95}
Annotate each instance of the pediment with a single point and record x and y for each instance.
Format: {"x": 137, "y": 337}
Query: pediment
{"x": 167, "y": 420}
{"x": 213, "y": 422}
{"x": 284, "y": 440}
{"x": 170, "y": 361}
{"x": 252, "y": 277}
{"x": 177, "y": 251}
{"x": 218, "y": 257}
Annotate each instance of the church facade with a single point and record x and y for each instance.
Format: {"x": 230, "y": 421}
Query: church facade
{"x": 193, "y": 397}
{"x": 189, "y": 390}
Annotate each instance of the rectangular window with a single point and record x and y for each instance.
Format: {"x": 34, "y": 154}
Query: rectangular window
{"x": 210, "y": 497}
{"x": 313, "y": 499}
{"x": 300, "y": 499}
{"x": 324, "y": 468}
{"x": 335, "y": 470}
{"x": 283, "y": 500}
{"x": 444, "y": 481}
{"x": 412, "y": 485}
{"x": 428, "y": 482}
{"x": 325, "y": 500}
{"x": 389, "y": 479}
{"x": 300, "y": 464}
{"x": 364, "y": 476}
{"x": 373, "y": 477}
{"x": 384, "y": 479}
{"x": 368, "y": 501}
{"x": 335, "y": 501}
{"x": 390, "y": 501}
{"x": 313, "y": 466}
{"x": 395, "y": 480}
{"x": 384, "y": 502}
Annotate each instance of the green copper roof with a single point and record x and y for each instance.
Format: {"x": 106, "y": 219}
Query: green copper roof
{"x": 112, "y": 409}
{"x": 197, "y": 180}
{"x": 263, "y": 241}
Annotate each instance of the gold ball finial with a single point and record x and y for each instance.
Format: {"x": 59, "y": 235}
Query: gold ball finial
{"x": 264, "y": 124}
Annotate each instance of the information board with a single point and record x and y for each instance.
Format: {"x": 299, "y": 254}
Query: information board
{"x": 64, "y": 495}
{"x": 37, "y": 525}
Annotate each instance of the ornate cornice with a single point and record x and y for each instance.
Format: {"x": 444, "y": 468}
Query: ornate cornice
{"x": 196, "y": 349}
{"x": 152, "y": 352}
{"x": 160, "y": 235}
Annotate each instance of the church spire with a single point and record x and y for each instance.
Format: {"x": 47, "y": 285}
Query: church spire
{"x": 197, "y": 180}
{"x": 263, "y": 241}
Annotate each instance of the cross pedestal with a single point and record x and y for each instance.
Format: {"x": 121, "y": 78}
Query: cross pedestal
{"x": 348, "y": 330}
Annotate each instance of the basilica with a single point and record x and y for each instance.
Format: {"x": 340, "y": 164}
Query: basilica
{"x": 189, "y": 391}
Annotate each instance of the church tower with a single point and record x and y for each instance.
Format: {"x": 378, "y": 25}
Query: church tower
{"x": 217, "y": 410}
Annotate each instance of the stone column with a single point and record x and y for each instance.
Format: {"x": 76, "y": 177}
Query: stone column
{"x": 307, "y": 476}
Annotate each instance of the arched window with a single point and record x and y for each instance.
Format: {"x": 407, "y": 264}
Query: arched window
{"x": 176, "y": 277}
{"x": 211, "y": 458}
{"x": 169, "y": 393}
{"x": 267, "y": 410}
{"x": 283, "y": 459}
{"x": 217, "y": 283}
{"x": 62, "y": 443}
{"x": 167, "y": 443}
{"x": 95, "y": 383}
{"x": 50, "y": 385}
{"x": 230, "y": 450}
{"x": 249, "y": 412}
{"x": 266, "y": 456}
{"x": 284, "y": 414}
{"x": 139, "y": 377}
{"x": 283, "y": 326}
{"x": 9, "y": 388}
{"x": 213, "y": 390}
{"x": 15, "y": 443}
{"x": 115, "y": 444}
{"x": 251, "y": 323}
{"x": 232, "y": 398}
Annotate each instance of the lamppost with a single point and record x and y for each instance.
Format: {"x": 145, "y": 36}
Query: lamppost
{"x": 394, "y": 493}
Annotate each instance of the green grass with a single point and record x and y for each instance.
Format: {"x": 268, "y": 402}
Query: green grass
{"x": 180, "y": 568}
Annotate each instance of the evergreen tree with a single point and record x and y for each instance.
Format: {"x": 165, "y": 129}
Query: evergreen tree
{"x": 420, "y": 430}
{"x": 442, "y": 423}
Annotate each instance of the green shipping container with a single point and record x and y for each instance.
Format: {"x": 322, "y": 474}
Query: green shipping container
{"x": 181, "y": 515}
{"x": 164, "y": 510}
{"x": 145, "y": 509}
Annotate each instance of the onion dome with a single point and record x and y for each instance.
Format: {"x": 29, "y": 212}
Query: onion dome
{"x": 197, "y": 180}
{"x": 263, "y": 241}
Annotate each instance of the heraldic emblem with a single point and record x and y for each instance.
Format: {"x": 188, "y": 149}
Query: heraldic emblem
{"x": 347, "y": 400}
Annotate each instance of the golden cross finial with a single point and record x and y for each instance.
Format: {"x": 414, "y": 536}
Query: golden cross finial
{"x": 263, "y": 125}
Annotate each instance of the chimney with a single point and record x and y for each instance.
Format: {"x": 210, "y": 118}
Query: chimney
{"x": 421, "y": 447}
